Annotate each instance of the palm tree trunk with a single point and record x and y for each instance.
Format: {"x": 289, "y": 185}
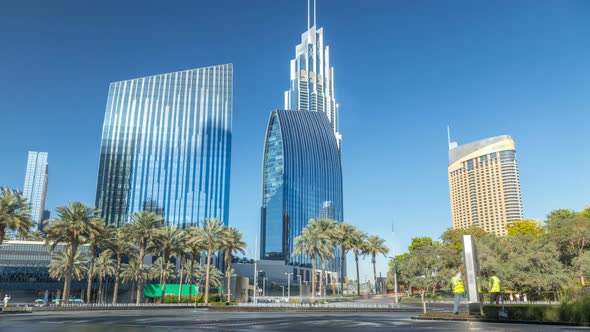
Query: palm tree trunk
{"x": 313, "y": 277}
{"x": 2, "y": 233}
{"x": 322, "y": 282}
{"x": 342, "y": 262}
{"x": 90, "y": 274}
{"x": 358, "y": 280}
{"x": 207, "y": 275}
{"x": 181, "y": 277}
{"x": 132, "y": 289}
{"x": 99, "y": 289}
{"x": 374, "y": 272}
{"x": 117, "y": 274}
{"x": 228, "y": 273}
{"x": 68, "y": 278}
{"x": 140, "y": 281}
{"x": 163, "y": 290}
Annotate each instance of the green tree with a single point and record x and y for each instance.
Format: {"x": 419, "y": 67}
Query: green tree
{"x": 582, "y": 265}
{"x": 375, "y": 245}
{"x": 453, "y": 238}
{"x": 163, "y": 270}
{"x": 230, "y": 243}
{"x": 58, "y": 267}
{"x": 311, "y": 243}
{"x": 120, "y": 246}
{"x": 341, "y": 236}
{"x": 104, "y": 267}
{"x": 168, "y": 242}
{"x": 526, "y": 227}
{"x": 143, "y": 231}
{"x": 135, "y": 273}
{"x": 571, "y": 234}
{"x": 357, "y": 244}
{"x": 195, "y": 245}
{"x": 422, "y": 268}
{"x": 14, "y": 213}
{"x": 210, "y": 232}
{"x": 72, "y": 227}
{"x": 96, "y": 238}
{"x": 326, "y": 226}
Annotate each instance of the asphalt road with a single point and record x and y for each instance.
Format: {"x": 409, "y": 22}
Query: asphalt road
{"x": 173, "y": 320}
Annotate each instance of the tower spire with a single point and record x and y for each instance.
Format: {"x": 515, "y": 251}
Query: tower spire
{"x": 308, "y": 13}
{"x": 314, "y": 12}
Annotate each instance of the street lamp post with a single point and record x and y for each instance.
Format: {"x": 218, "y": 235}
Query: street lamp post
{"x": 288, "y": 285}
{"x": 394, "y": 278}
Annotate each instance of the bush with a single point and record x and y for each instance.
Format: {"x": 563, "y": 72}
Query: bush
{"x": 577, "y": 311}
{"x": 539, "y": 313}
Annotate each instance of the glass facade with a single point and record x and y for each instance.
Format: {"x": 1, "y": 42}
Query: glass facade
{"x": 24, "y": 266}
{"x": 166, "y": 147}
{"x": 312, "y": 79}
{"x": 302, "y": 179}
{"x": 35, "y": 188}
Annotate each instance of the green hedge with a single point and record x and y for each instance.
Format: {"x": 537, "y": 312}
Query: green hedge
{"x": 577, "y": 311}
{"x": 199, "y": 298}
{"x": 525, "y": 312}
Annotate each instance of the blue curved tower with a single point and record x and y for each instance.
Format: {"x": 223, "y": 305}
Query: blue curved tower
{"x": 302, "y": 179}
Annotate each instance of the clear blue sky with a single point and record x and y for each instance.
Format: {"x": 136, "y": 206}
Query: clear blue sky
{"x": 403, "y": 71}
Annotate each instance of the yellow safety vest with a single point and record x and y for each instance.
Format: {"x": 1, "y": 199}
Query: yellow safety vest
{"x": 457, "y": 285}
{"x": 494, "y": 284}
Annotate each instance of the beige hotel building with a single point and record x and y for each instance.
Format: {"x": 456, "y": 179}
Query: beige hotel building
{"x": 484, "y": 184}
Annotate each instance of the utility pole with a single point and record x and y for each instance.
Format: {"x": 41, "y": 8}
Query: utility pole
{"x": 255, "y": 270}
{"x": 288, "y": 285}
{"x": 394, "y": 262}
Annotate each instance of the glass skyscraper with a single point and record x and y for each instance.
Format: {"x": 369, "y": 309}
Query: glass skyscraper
{"x": 302, "y": 179}
{"x": 312, "y": 78}
{"x": 166, "y": 147}
{"x": 35, "y": 188}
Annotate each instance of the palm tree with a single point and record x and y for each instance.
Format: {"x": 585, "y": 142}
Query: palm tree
{"x": 142, "y": 230}
{"x": 231, "y": 242}
{"x": 104, "y": 268}
{"x": 341, "y": 235}
{"x": 192, "y": 273}
{"x": 210, "y": 231}
{"x": 33, "y": 236}
{"x": 168, "y": 242}
{"x": 357, "y": 244}
{"x": 195, "y": 244}
{"x": 134, "y": 273}
{"x": 325, "y": 226}
{"x": 58, "y": 266}
{"x": 182, "y": 251}
{"x": 163, "y": 270}
{"x": 97, "y": 238}
{"x": 374, "y": 246}
{"x": 14, "y": 213}
{"x": 312, "y": 243}
{"x": 120, "y": 247}
{"x": 71, "y": 228}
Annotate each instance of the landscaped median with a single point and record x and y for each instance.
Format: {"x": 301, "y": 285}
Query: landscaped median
{"x": 570, "y": 313}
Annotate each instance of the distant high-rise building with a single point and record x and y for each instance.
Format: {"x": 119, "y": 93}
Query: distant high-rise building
{"x": 484, "y": 184}
{"x": 302, "y": 179}
{"x": 166, "y": 147}
{"x": 312, "y": 78}
{"x": 35, "y": 188}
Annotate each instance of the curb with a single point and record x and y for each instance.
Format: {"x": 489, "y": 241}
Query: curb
{"x": 488, "y": 320}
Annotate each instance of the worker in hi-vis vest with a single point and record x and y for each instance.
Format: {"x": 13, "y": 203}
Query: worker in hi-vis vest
{"x": 494, "y": 288}
{"x": 458, "y": 290}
